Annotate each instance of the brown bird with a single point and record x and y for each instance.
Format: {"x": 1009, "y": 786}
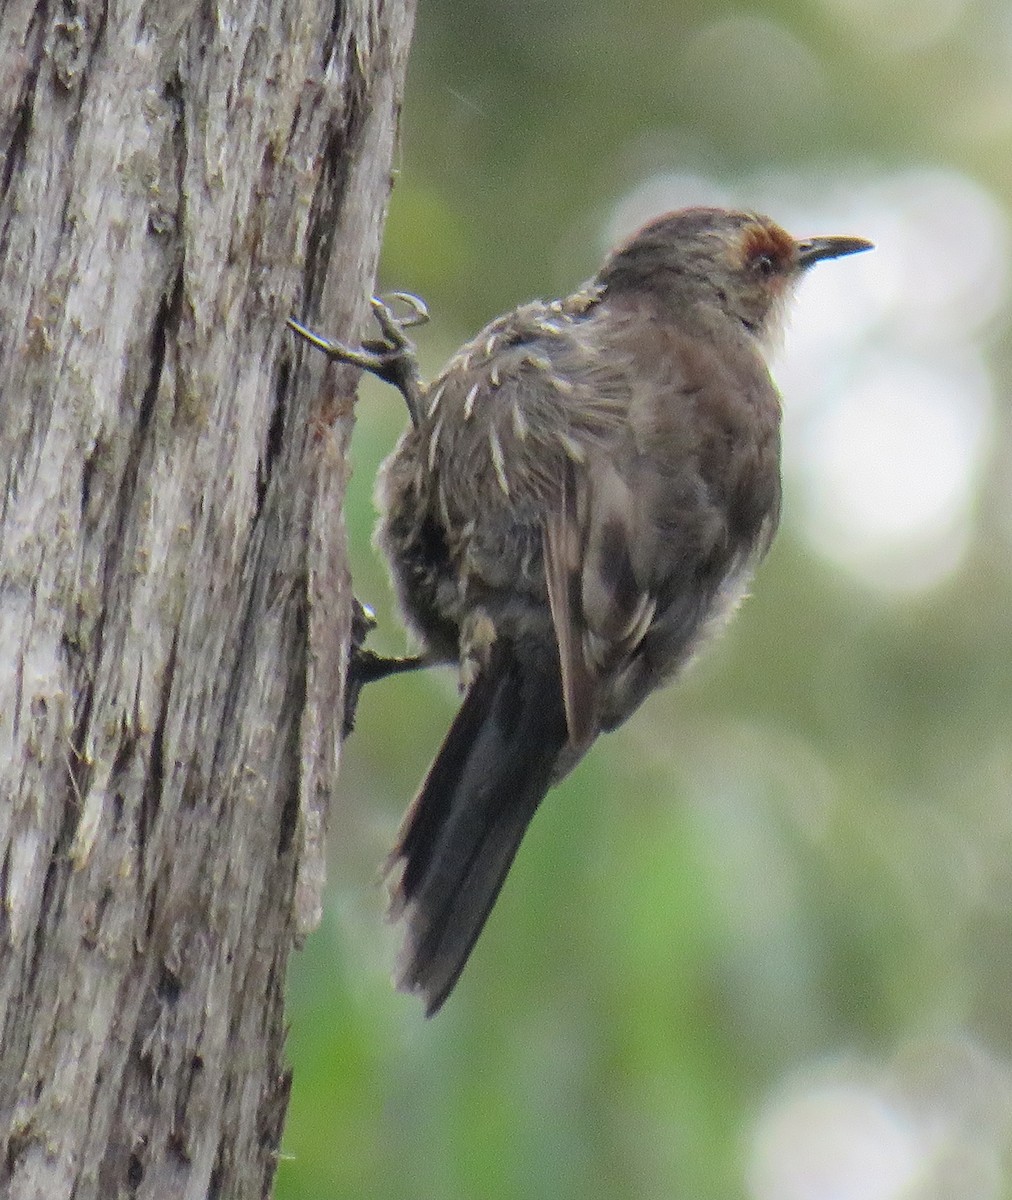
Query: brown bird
{"x": 578, "y": 505}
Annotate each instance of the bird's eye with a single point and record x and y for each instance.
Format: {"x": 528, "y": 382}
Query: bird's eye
{"x": 764, "y": 265}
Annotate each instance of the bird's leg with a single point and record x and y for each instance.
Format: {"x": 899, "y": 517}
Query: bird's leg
{"x": 366, "y": 666}
{"x": 392, "y": 357}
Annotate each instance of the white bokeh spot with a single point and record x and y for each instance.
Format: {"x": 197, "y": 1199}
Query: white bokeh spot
{"x": 839, "y": 1141}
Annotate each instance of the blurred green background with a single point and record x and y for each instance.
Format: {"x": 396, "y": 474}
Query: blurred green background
{"x": 759, "y": 944}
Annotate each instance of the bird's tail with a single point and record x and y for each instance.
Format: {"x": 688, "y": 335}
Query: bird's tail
{"x": 464, "y": 827}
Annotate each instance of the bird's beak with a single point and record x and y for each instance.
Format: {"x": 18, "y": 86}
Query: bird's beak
{"x": 813, "y": 249}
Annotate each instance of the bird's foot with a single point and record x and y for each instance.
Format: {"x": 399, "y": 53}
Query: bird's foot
{"x": 365, "y": 666}
{"x": 392, "y": 357}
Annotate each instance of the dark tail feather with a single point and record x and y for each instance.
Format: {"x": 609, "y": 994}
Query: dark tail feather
{"x": 464, "y": 827}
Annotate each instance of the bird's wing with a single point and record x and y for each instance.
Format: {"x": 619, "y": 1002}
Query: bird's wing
{"x": 601, "y": 605}
{"x": 563, "y": 553}
{"x": 657, "y": 523}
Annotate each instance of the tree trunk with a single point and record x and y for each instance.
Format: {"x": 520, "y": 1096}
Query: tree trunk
{"x": 174, "y": 601}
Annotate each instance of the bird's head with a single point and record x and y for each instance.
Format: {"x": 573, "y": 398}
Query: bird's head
{"x": 739, "y": 263}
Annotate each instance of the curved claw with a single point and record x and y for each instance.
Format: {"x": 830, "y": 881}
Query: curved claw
{"x": 419, "y": 314}
{"x": 393, "y": 326}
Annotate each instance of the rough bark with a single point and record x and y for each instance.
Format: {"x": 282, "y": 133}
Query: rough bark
{"x": 174, "y": 602}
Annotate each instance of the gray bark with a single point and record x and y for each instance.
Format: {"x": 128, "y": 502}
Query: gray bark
{"x": 174, "y": 601}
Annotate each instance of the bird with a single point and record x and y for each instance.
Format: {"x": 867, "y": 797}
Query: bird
{"x": 575, "y": 509}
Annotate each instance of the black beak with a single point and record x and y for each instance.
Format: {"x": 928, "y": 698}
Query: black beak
{"x": 813, "y": 249}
